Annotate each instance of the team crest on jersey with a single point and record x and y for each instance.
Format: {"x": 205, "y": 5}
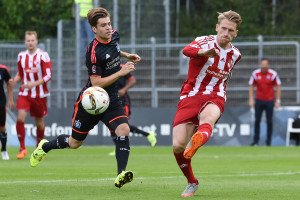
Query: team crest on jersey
{"x": 94, "y": 69}
{"x": 118, "y": 47}
{"x": 77, "y": 123}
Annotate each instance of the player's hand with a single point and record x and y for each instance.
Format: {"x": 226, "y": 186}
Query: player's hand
{"x": 11, "y": 105}
{"x": 277, "y": 104}
{"x": 209, "y": 53}
{"x": 127, "y": 68}
{"x": 121, "y": 92}
{"x": 29, "y": 85}
{"x": 134, "y": 58}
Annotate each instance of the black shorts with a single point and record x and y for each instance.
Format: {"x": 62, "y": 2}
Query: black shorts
{"x": 2, "y": 115}
{"x": 83, "y": 122}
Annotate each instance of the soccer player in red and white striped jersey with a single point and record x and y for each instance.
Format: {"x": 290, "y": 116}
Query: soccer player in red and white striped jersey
{"x": 203, "y": 94}
{"x": 34, "y": 70}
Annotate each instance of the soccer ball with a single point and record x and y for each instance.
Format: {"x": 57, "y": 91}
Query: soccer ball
{"x": 95, "y": 100}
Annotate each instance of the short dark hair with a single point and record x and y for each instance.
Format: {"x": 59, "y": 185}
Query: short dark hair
{"x": 95, "y": 14}
{"x": 262, "y": 59}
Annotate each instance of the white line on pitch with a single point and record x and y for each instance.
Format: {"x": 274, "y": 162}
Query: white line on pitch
{"x": 145, "y": 178}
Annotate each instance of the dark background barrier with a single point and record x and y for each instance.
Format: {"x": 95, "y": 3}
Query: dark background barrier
{"x": 235, "y": 128}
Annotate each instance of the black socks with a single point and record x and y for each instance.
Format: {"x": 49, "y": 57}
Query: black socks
{"x": 122, "y": 152}
{"x": 135, "y": 129}
{"x": 3, "y": 137}
{"x": 61, "y": 142}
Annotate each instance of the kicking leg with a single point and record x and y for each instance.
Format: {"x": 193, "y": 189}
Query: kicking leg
{"x": 208, "y": 117}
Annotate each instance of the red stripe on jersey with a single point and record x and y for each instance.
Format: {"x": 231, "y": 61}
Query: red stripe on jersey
{"x": 20, "y": 70}
{"x": 93, "y": 52}
{"x": 35, "y": 75}
{"x": 27, "y": 74}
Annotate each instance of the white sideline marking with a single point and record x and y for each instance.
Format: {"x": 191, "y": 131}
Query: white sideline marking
{"x": 145, "y": 178}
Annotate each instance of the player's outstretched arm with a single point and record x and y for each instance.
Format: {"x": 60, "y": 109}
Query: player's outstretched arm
{"x": 132, "y": 57}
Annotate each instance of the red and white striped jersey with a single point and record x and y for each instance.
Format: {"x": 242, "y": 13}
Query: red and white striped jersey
{"x": 208, "y": 75}
{"x": 264, "y": 82}
{"x": 32, "y": 67}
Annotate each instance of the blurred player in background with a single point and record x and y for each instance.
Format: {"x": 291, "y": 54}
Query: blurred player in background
{"x": 265, "y": 80}
{"x": 203, "y": 94}
{"x": 103, "y": 59}
{"x": 35, "y": 71}
{"x": 124, "y": 83}
{"x": 5, "y": 77}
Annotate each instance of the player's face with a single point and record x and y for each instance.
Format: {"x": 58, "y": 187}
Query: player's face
{"x": 264, "y": 65}
{"x": 31, "y": 42}
{"x": 103, "y": 29}
{"x": 226, "y": 31}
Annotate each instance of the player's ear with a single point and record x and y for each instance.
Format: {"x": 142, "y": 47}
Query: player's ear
{"x": 94, "y": 29}
{"x": 217, "y": 26}
{"x": 237, "y": 31}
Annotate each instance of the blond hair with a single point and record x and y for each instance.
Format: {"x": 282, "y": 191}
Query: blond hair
{"x": 231, "y": 16}
{"x": 95, "y": 14}
{"x": 32, "y": 33}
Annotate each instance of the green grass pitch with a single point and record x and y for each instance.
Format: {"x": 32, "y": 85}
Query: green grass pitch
{"x": 89, "y": 173}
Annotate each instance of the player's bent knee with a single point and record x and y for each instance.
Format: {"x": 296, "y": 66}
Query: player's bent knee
{"x": 178, "y": 148}
{"x": 122, "y": 130}
{"x": 74, "y": 144}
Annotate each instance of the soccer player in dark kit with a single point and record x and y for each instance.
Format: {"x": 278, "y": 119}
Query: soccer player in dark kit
{"x": 5, "y": 78}
{"x": 103, "y": 59}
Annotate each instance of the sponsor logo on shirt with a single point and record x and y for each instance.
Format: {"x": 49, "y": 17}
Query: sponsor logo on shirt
{"x": 114, "y": 63}
{"x": 217, "y": 73}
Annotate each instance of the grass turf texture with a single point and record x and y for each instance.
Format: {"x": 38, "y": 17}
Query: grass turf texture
{"x": 89, "y": 173}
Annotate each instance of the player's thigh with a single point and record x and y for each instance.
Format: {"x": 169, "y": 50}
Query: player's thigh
{"x": 187, "y": 111}
{"x": 82, "y": 122}
{"x": 38, "y": 107}
{"x": 122, "y": 130}
{"x": 73, "y": 143}
{"x": 210, "y": 114}
{"x": 116, "y": 120}
{"x": 182, "y": 134}
{"x": 23, "y": 107}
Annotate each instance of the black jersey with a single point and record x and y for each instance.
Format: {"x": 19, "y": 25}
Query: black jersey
{"x": 104, "y": 59}
{"x": 4, "y": 76}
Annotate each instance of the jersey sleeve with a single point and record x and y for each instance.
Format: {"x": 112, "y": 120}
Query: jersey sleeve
{"x": 20, "y": 69}
{"x": 46, "y": 67}
{"x": 252, "y": 80}
{"x": 276, "y": 80}
{"x": 192, "y": 49}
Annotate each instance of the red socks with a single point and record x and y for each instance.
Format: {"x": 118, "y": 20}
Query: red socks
{"x": 186, "y": 167}
{"x": 39, "y": 135}
{"x": 21, "y": 134}
{"x": 205, "y": 130}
